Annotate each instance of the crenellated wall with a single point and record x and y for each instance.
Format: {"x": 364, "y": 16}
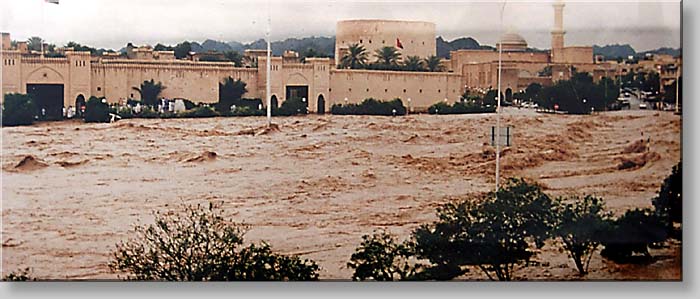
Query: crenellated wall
{"x": 115, "y": 79}
{"x": 423, "y": 88}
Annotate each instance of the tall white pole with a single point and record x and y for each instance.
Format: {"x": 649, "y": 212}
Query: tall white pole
{"x": 41, "y": 39}
{"x": 498, "y": 103}
{"x": 268, "y": 91}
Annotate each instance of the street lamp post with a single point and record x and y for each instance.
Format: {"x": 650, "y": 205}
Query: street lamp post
{"x": 268, "y": 89}
{"x": 498, "y": 105}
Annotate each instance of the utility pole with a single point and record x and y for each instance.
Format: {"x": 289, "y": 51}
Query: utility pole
{"x": 41, "y": 39}
{"x": 268, "y": 89}
{"x": 678, "y": 74}
{"x": 498, "y": 104}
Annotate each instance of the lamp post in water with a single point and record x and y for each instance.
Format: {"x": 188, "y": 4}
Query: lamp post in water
{"x": 268, "y": 90}
{"x": 498, "y": 104}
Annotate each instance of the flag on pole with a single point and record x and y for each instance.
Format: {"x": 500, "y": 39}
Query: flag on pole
{"x": 398, "y": 43}
{"x": 51, "y": 1}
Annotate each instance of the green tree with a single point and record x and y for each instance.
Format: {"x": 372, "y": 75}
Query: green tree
{"x": 582, "y": 222}
{"x": 387, "y": 56}
{"x": 230, "y": 92}
{"x": 18, "y": 109}
{"x": 79, "y": 47}
{"x": 161, "y": 47}
{"x": 355, "y": 58}
{"x": 532, "y": 91}
{"x": 371, "y": 106}
{"x": 493, "y": 233}
{"x": 182, "y": 50}
{"x": 670, "y": 91}
{"x": 235, "y": 57}
{"x": 19, "y": 275}
{"x": 433, "y": 64}
{"x": 413, "y": 63}
{"x": 34, "y": 43}
{"x": 490, "y": 98}
{"x": 200, "y": 244}
{"x": 610, "y": 91}
{"x": 149, "y": 91}
{"x": 651, "y": 82}
{"x": 96, "y": 110}
{"x": 632, "y": 234}
{"x": 293, "y": 106}
{"x": 668, "y": 204}
{"x": 379, "y": 257}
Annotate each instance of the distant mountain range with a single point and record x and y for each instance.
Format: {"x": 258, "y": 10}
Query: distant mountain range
{"x": 325, "y": 46}
{"x": 321, "y": 45}
{"x": 624, "y": 51}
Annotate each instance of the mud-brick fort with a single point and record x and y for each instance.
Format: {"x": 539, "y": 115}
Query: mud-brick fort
{"x": 68, "y": 80}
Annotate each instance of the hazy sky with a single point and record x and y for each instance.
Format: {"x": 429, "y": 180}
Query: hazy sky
{"x": 112, "y": 23}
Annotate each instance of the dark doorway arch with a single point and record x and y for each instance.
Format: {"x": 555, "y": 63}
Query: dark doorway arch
{"x": 321, "y": 105}
{"x": 509, "y": 95}
{"x": 79, "y": 104}
{"x": 48, "y": 99}
{"x": 273, "y": 102}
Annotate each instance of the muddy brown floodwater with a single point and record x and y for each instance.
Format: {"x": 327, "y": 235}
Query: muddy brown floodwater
{"x": 71, "y": 190}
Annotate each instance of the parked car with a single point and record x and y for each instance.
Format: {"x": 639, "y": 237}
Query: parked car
{"x": 642, "y": 105}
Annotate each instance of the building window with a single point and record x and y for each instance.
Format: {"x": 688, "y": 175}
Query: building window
{"x": 386, "y": 90}
{"x": 420, "y": 91}
{"x": 132, "y": 95}
{"x": 383, "y": 42}
{"x": 360, "y": 41}
{"x": 438, "y": 91}
{"x": 370, "y": 41}
{"x": 99, "y": 88}
{"x": 349, "y": 89}
{"x": 404, "y": 91}
{"x": 367, "y": 90}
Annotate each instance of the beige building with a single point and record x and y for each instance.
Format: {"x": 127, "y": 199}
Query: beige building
{"x": 415, "y": 38}
{"x": 67, "y": 81}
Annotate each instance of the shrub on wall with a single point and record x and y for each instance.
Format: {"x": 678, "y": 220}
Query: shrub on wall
{"x": 96, "y": 110}
{"x": 371, "y": 106}
{"x": 247, "y": 111}
{"x": 18, "y": 109}
{"x": 147, "y": 112}
{"x": 289, "y": 107}
{"x": 459, "y": 108}
{"x": 201, "y": 111}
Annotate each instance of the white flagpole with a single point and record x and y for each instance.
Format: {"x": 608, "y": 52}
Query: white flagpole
{"x": 498, "y": 104}
{"x": 268, "y": 92}
{"x": 41, "y": 38}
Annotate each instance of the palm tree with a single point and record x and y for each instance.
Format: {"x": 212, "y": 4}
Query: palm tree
{"x": 34, "y": 43}
{"x": 387, "y": 56}
{"x": 355, "y": 58}
{"x": 230, "y": 93}
{"x": 433, "y": 63}
{"x": 149, "y": 92}
{"x": 413, "y": 63}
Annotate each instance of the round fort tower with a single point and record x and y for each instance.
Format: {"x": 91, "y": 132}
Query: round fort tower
{"x": 417, "y": 38}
